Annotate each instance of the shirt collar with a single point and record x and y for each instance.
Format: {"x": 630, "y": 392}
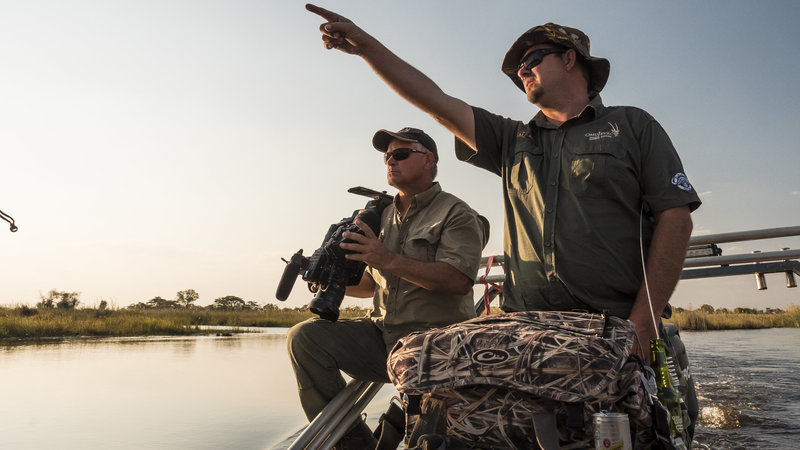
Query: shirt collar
{"x": 421, "y": 200}
{"x": 595, "y": 107}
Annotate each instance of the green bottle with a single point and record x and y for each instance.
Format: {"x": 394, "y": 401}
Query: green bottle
{"x": 667, "y": 394}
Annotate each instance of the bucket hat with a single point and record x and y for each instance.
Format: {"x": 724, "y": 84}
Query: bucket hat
{"x": 599, "y": 68}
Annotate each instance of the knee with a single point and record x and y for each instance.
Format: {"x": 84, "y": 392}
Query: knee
{"x": 302, "y": 335}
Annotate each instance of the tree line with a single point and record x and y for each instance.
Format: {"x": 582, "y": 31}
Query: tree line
{"x": 56, "y": 299}
{"x": 708, "y": 309}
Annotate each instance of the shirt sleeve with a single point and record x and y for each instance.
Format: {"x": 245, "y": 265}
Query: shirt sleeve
{"x": 664, "y": 182}
{"x": 463, "y": 238}
{"x": 492, "y": 134}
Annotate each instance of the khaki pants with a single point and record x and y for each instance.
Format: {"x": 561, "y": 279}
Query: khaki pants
{"x": 320, "y": 350}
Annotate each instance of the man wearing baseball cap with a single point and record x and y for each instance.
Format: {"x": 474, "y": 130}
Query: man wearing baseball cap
{"x": 578, "y": 179}
{"x": 420, "y": 272}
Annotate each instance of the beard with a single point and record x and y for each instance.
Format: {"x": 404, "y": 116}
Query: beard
{"x": 535, "y": 95}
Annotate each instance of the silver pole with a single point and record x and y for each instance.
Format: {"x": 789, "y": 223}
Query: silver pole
{"x": 781, "y": 255}
{"x": 752, "y": 235}
{"x": 338, "y": 426}
{"x": 346, "y": 397}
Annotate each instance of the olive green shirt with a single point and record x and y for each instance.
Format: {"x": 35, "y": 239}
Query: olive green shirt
{"x": 437, "y": 227}
{"x": 573, "y": 195}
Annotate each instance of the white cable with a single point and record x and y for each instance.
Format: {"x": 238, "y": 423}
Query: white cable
{"x": 644, "y": 271}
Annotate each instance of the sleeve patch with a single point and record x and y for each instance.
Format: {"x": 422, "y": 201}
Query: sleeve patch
{"x": 681, "y": 181}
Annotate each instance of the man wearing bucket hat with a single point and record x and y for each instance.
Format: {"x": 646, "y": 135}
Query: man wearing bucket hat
{"x": 578, "y": 179}
{"x": 419, "y": 273}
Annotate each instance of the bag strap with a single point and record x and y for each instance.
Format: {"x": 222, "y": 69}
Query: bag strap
{"x": 432, "y": 420}
{"x": 544, "y": 424}
{"x": 391, "y": 427}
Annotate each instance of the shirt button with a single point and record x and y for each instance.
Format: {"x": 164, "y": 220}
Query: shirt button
{"x": 552, "y": 183}
{"x": 549, "y": 210}
{"x": 547, "y": 244}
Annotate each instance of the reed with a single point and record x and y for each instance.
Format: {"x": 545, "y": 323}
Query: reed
{"x": 23, "y": 322}
{"x": 698, "y": 320}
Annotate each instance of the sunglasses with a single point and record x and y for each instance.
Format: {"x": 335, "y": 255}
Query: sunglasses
{"x": 535, "y": 57}
{"x": 400, "y": 154}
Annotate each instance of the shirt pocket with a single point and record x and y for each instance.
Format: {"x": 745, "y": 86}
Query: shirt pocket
{"x": 526, "y": 163}
{"x": 590, "y": 170}
{"x": 421, "y": 245}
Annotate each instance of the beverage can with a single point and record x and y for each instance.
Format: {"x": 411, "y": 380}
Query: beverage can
{"x": 612, "y": 431}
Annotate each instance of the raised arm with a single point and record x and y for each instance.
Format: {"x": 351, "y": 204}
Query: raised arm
{"x": 340, "y": 33}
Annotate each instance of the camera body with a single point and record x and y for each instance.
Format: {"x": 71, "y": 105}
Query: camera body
{"x": 328, "y": 272}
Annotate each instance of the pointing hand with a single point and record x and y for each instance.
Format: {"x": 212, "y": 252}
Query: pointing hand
{"x": 338, "y": 32}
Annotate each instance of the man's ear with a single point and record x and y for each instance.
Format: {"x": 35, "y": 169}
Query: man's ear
{"x": 570, "y": 58}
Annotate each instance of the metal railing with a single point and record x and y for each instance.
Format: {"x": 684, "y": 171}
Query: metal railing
{"x": 758, "y": 263}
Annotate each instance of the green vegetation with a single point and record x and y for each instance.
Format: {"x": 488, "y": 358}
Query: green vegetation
{"x": 707, "y": 318}
{"x": 58, "y": 315}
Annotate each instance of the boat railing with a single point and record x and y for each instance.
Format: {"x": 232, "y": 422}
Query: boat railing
{"x": 703, "y": 259}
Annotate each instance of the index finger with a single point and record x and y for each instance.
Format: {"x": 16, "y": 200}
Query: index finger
{"x": 330, "y": 16}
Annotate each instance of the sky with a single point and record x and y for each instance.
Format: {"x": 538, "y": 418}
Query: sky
{"x": 149, "y": 147}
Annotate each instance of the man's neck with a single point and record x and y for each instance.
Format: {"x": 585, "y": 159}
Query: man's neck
{"x": 405, "y": 195}
{"x": 561, "y": 111}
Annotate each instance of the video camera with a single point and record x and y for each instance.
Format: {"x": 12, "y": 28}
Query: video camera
{"x": 328, "y": 272}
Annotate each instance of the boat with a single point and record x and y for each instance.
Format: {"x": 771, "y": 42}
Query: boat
{"x": 704, "y": 259}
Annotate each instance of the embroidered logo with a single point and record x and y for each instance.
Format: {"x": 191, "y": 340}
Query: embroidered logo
{"x": 680, "y": 180}
{"x": 490, "y": 356}
{"x": 614, "y": 132}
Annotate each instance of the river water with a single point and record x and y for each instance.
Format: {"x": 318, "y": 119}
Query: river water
{"x": 238, "y": 392}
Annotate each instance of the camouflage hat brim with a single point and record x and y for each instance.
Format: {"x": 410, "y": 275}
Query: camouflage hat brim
{"x": 599, "y": 68}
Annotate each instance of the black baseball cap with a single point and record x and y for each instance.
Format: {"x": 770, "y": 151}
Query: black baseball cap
{"x": 382, "y": 139}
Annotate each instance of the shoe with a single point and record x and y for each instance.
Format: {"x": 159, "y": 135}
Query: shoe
{"x": 358, "y": 437}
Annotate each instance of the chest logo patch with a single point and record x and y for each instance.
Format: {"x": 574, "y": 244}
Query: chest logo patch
{"x": 611, "y": 133}
{"x": 681, "y": 181}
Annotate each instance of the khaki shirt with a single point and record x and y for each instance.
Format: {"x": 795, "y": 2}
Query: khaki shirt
{"x": 573, "y": 195}
{"x": 437, "y": 227}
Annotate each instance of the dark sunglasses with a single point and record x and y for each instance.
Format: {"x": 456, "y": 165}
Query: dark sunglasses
{"x": 400, "y": 154}
{"x": 535, "y": 57}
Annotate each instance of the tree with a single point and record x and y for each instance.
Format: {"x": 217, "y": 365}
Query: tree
{"x": 708, "y": 309}
{"x": 160, "y": 303}
{"x": 252, "y": 306}
{"x": 59, "y": 299}
{"x": 186, "y": 298}
{"x": 228, "y": 303}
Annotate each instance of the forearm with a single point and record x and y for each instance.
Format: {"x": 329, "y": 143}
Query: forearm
{"x": 434, "y": 276}
{"x": 664, "y": 264}
{"x": 365, "y": 288}
{"x": 418, "y": 89}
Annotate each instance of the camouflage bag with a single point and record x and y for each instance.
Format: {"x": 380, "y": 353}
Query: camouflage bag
{"x": 502, "y": 380}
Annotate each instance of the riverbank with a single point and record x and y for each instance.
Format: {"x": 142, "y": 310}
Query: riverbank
{"x": 23, "y": 322}
{"x": 705, "y": 320}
